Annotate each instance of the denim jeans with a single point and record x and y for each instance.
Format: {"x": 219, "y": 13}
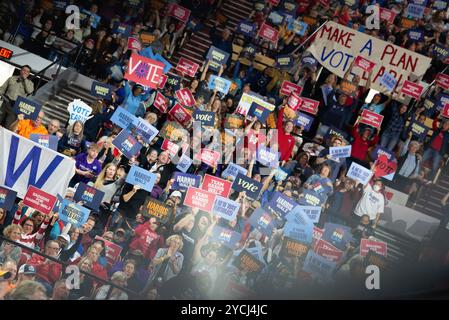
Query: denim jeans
{"x": 389, "y": 140}
{"x": 436, "y": 158}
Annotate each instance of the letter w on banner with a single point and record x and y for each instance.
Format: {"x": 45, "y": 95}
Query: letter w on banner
{"x": 144, "y": 71}
{"x": 24, "y": 163}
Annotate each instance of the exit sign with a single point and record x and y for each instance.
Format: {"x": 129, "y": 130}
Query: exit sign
{"x": 5, "y": 53}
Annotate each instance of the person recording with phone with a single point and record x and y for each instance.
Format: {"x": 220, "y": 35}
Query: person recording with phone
{"x": 14, "y": 87}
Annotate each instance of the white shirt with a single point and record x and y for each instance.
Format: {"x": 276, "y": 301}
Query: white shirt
{"x": 371, "y": 203}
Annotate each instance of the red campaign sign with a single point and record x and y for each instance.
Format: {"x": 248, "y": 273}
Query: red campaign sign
{"x": 112, "y": 250}
{"x": 39, "y": 200}
{"x": 160, "y": 103}
{"x": 412, "y": 89}
{"x": 387, "y": 15}
{"x": 144, "y": 71}
{"x": 269, "y": 33}
{"x": 185, "y": 97}
{"x": 325, "y": 3}
{"x": 216, "y": 185}
{"x": 134, "y": 44}
{"x": 371, "y": 118}
{"x": 316, "y": 235}
{"x": 209, "y": 157}
{"x": 294, "y": 102}
{"x": 201, "y": 199}
{"x": 443, "y": 81}
{"x": 274, "y": 2}
{"x": 288, "y": 87}
{"x": 188, "y": 67}
{"x": 180, "y": 114}
{"x": 376, "y": 246}
{"x": 385, "y": 167}
{"x": 445, "y": 111}
{"x": 178, "y": 12}
{"x": 363, "y": 63}
{"x": 309, "y": 105}
{"x": 162, "y": 81}
{"x": 171, "y": 147}
{"x": 328, "y": 251}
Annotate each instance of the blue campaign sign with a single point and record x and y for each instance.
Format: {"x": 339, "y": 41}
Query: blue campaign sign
{"x": 388, "y": 81}
{"x": 335, "y": 132}
{"x": 247, "y": 28}
{"x": 267, "y": 157}
{"x": 123, "y": 118}
{"x": 182, "y": 181}
{"x": 281, "y": 204}
{"x": 359, "y": 173}
{"x": 312, "y": 212}
{"x": 304, "y": 120}
{"x": 101, "y": 90}
{"x": 127, "y": 144}
{"x": 340, "y": 152}
{"x": 141, "y": 177}
{"x": 299, "y": 27}
{"x": 280, "y": 174}
{"x": 338, "y": 235}
{"x": 90, "y": 196}
{"x": 378, "y": 151}
{"x": 258, "y": 111}
{"x": 440, "y": 52}
{"x": 145, "y": 129}
{"x": 220, "y": 84}
{"x": 232, "y": 170}
{"x": 284, "y": 61}
{"x": 419, "y": 2}
{"x": 440, "y": 5}
{"x": 207, "y": 118}
{"x": 275, "y": 18}
{"x": 218, "y": 58}
{"x": 45, "y": 140}
{"x": 58, "y": 204}
{"x": 415, "y": 11}
{"x": 311, "y": 198}
{"x": 262, "y": 221}
{"x": 418, "y": 130}
{"x": 167, "y": 65}
{"x": 318, "y": 266}
{"x": 184, "y": 163}
{"x": 73, "y": 213}
{"x": 300, "y": 232}
{"x": 226, "y": 208}
{"x": 244, "y": 183}
{"x": 225, "y": 236}
{"x": 28, "y": 108}
{"x": 299, "y": 216}
{"x": 442, "y": 100}
{"x": 7, "y": 198}
{"x": 121, "y": 28}
{"x": 416, "y": 35}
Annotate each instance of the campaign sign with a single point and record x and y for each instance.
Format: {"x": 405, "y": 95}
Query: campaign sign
{"x": 46, "y": 140}
{"x": 262, "y": 221}
{"x": 412, "y": 89}
{"x": 280, "y": 175}
{"x": 144, "y": 129}
{"x": 160, "y": 103}
{"x": 218, "y": 57}
{"x": 58, "y": 204}
{"x": 247, "y": 262}
{"x": 156, "y": 208}
{"x": 232, "y": 170}
{"x": 28, "y": 108}
{"x": 299, "y": 216}
{"x": 304, "y": 120}
{"x": 201, "y": 199}
{"x": 442, "y": 101}
{"x": 220, "y": 84}
{"x": 288, "y": 88}
{"x": 443, "y": 81}
{"x": 338, "y": 235}
{"x": 121, "y": 28}
{"x": 281, "y": 204}
{"x": 284, "y": 61}
{"x": 275, "y": 18}
{"x": 365, "y": 64}
{"x": 268, "y": 33}
{"x": 371, "y": 118}
{"x": 415, "y": 11}
{"x": 243, "y": 183}
{"x": 73, "y": 213}
{"x": 178, "y": 12}
{"x": 440, "y": 5}
{"x": 101, "y": 90}
{"x": 174, "y": 82}
{"x": 267, "y": 157}
{"x": 328, "y": 251}
{"x": 184, "y": 163}
{"x": 112, "y": 250}
{"x": 316, "y": 235}
{"x": 246, "y": 100}
{"x": 127, "y": 144}
{"x": 171, "y": 147}
{"x": 185, "y": 97}
{"x": 309, "y": 105}
{"x": 7, "y": 198}
{"x": 167, "y": 65}
{"x": 418, "y": 130}
{"x": 79, "y": 111}
{"x": 182, "y": 181}
{"x": 387, "y": 15}
{"x": 144, "y": 71}
{"x": 247, "y": 28}
{"x": 299, "y": 27}
{"x": 258, "y": 111}
{"x": 141, "y": 177}
{"x": 225, "y": 237}
{"x": 216, "y": 185}
{"x": 134, "y": 44}
{"x": 440, "y": 52}
{"x": 359, "y": 173}
{"x": 209, "y": 157}
{"x": 445, "y": 111}
{"x": 39, "y": 200}
{"x": 226, "y": 208}
{"x": 90, "y": 196}
{"x": 311, "y": 198}
{"x": 293, "y": 248}
{"x": 188, "y": 67}
{"x": 147, "y": 38}
{"x": 340, "y": 152}
{"x": 378, "y": 247}
{"x": 312, "y": 212}
{"x": 389, "y": 81}
{"x": 416, "y": 35}
{"x": 123, "y": 118}
{"x": 180, "y": 114}
{"x": 318, "y": 266}
{"x": 379, "y": 151}
{"x": 294, "y": 102}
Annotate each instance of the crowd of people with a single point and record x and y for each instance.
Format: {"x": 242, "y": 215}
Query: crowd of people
{"x": 179, "y": 256}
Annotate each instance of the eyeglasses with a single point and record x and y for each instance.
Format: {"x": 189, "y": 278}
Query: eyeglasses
{"x": 28, "y": 225}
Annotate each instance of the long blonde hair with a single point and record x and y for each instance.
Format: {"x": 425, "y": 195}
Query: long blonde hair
{"x": 101, "y": 177}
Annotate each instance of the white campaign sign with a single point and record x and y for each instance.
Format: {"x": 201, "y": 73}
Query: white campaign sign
{"x": 247, "y": 100}
{"x": 79, "y": 110}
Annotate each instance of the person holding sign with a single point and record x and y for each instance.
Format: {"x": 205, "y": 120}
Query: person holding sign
{"x": 133, "y": 99}
{"x": 409, "y": 164}
{"x": 375, "y": 105}
{"x": 14, "y": 87}
{"x": 338, "y": 166}
{"x": 285, "y": 140}
{"x": 321, "y": 183}
{"x": 396, "y": 125}
{"x": 362, "y": 142}
{"x": 87, "y": 166}
{"x": 73, "y": 142}
{"x": 437, "y": 146}
{"x": 26, "y": 127}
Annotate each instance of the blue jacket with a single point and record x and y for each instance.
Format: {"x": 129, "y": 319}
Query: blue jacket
{"x": 132, "y": 103}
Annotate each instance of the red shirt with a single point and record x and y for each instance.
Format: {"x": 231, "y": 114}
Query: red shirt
{"x": 286, "y": 141}
{"x": 48, "y": 271}
{"x": 359, "y": 146}
{"x": 253, "y": 140}
{"x": 146, "y": 241}
{"x": 437, "y": 143}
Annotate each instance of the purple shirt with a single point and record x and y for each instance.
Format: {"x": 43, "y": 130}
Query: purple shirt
{"x": 82, "y": 164}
